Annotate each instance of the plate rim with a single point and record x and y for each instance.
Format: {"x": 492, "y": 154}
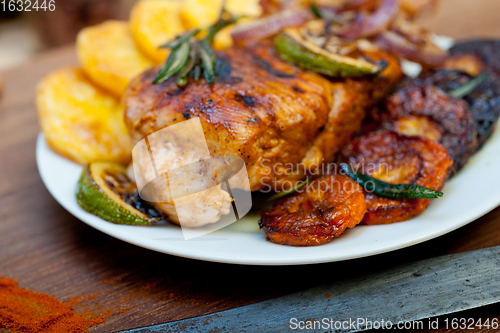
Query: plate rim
{"x": 486, "y": 207}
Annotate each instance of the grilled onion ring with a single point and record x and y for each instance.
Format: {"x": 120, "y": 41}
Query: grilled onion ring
{"x": 378, "y": 21}
{"x": 271, "y": 25}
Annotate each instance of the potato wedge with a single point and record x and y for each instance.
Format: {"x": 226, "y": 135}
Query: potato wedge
{"x": 80, "y": 121}
{"x": 223, "y": 39}
{"x": 201, "y": 13}
{"x": 248, "y": 8}
{"x": 153, "y": 23}
{"x": 109, "y": 56}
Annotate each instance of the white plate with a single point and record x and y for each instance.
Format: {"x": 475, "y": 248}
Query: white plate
{"x": 471, "y": 194}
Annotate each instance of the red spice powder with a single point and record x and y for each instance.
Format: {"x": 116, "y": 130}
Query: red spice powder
{"x": 23, "y": 310}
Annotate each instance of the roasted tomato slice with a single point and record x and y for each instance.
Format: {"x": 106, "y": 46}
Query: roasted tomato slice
{"x": 385, "y": 156}
{"x": 321, "y": 212}
{"x": 397, "y": 159}
{"x": 428, "y": 111}
{"x": 484, "y": 101}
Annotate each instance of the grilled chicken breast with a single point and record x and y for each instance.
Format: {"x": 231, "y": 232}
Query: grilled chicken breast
{"x": 281, "y": 120}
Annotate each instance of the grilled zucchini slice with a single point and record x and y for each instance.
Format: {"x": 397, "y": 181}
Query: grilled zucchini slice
{"x": 104, "y": 190}
{"x": 291, "y": 46}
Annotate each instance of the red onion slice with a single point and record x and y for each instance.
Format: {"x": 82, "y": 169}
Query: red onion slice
{"x": 271, "y": 25}
{"x": 373, "y": 24}
{"x": 360, "y": 5}
{"x": 395, "y": 43}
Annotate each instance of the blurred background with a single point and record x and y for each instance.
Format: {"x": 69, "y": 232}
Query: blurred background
{"x": 24, "y": 34}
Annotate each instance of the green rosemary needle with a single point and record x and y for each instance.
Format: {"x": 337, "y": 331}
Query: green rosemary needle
{"x": 175, "y": 62}
{"x": 185, "y": 37}
{"x": 393, "y": 191}
{"x": 469, "y": 86}
{"x": 190, "y": 55}
{"x": 316, "y": 11}
{"x": 208, "y": 58}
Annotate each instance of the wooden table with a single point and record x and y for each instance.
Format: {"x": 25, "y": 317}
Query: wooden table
{"x": 48, "y": 250}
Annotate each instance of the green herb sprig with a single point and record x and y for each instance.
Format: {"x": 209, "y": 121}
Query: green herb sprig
{"x": 469, "y": 86}
{"x": 393, "y": 191}
{"x": 192, "y": 55}
{"x": 316, "y": 11}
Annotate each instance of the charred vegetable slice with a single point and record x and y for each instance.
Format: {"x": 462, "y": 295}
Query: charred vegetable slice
{"x": 468, "y": 87}
{"x": 321, "y": 212}
{"x": 104, "y": 190}
{"x": 484, "y": 100}
{"x": 416, "y": 100}
{"x": 411, "y": 41}
{"x": 292, "y": 47}
{"x": 482, "y": 52}
{"x": 397, "y": 159}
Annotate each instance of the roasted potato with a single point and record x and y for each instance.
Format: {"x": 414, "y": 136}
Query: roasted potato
{"x": 80, "y": 121}
{"x": 223, "y": 39}
{"x": 153, "y": 23}
{"x": 397, "y": 159}
{"x": 201, "y": 13}
{"x": 109, "y": 56}
{"x": 426, "y": 110}
{"x": 322, "y": 211}
{"x": 416, "y": 7}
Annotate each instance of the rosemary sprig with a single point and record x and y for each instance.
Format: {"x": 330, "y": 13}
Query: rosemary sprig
{"x": 190, "y": 55}
{"x": 185, "y": 37}
{"x": 175, "y": 63}
{"x": 469, "y": 86}
{"x": 316, "y": 11}
{"x": 393, "y": 191}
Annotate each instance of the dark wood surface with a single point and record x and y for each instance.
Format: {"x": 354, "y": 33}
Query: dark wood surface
{"x": 48, "y": 250}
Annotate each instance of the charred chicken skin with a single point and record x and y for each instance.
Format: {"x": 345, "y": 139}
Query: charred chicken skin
{"x": 270, "y": 113}
{"x": 324, "y": 210}
{"x": 397, "y": 159}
